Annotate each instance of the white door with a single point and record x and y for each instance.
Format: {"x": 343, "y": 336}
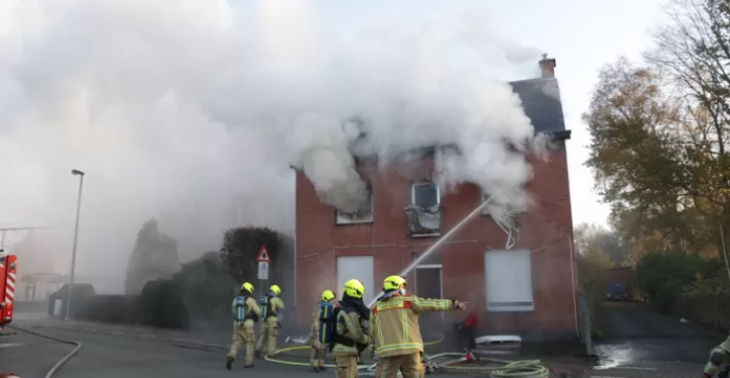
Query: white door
{"x": 356, "y": 267}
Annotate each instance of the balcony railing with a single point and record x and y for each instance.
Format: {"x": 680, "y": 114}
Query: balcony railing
{"x": 423, "y": 222}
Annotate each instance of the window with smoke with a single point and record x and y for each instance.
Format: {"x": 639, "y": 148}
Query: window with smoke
{"x": 364, "y": 214}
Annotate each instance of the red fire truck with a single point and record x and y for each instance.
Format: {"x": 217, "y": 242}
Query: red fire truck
{"x": 8, "y": 268}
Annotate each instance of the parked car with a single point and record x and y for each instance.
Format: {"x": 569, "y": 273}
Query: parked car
{"x": 617, "y": 292}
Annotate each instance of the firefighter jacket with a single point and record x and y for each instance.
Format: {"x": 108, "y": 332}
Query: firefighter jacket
{"x": 271, "y": 307}
{"x": 245, "y": 308}
{"x": 349, "y": 333}
{"x": 394, "y": 323}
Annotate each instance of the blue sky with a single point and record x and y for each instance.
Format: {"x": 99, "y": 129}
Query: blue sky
{"x": 582, "y": 35}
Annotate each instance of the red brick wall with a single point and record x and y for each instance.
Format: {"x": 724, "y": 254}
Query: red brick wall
{"x": 546, "y": 230}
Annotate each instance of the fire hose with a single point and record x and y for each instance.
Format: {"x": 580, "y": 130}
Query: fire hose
{"x": 62, "y": 361}
{"x": 510, "y": 369}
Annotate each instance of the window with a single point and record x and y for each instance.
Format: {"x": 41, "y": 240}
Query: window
{"x": 424, "y": 213}
{"x": 510, "y": 211}
{"x": 425, "y": 195}
{"x": 509, "y": 281}
{"x": 357, "y": 267}
{"x": 363, "y": 215}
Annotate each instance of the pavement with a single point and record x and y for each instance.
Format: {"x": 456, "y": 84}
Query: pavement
{"x": 639, "y": 343}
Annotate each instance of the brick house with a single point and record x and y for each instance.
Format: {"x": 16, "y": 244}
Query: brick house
{"x": 526, "y": 290}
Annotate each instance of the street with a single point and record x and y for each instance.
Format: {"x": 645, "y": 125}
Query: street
{"x": 640, "y": 342}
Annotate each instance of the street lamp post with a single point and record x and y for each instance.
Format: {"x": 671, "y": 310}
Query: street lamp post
{"x": 76, "y": 235}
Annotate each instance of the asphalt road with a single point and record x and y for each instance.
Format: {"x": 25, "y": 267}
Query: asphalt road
{"x": 639, "y": 342}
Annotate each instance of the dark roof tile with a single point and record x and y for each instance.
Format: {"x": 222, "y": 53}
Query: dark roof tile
{"x": 541, "y": 101}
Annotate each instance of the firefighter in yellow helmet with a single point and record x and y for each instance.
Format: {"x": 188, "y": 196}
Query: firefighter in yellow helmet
{"x": 245, "y": 313}
{"x": 720, "y": 355}
{"x": 349, "y": 337}
{"x": 320, "y": 334}
{"x": 271, "y": 306}
{"x": 395, "y": 330}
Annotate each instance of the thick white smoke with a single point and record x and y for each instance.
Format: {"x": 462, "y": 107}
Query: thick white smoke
{"x": 174, "y": 108}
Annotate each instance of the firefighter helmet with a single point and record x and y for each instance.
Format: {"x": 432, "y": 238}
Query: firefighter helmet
{"x": 247, "y": 287}
{"x": 328, "y": 295}
{"x": 275, "y": 289}
{"x": 394, "y": 283}
{"x": 354, "y": 288}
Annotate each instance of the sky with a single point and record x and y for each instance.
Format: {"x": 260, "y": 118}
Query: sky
{"x": 149, "y": 150}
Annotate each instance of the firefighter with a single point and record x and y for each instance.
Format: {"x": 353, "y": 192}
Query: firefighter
{"x": 719, "y": 356}
{"x": 322, "y": 321}
{"x": 271, "y": 306}
{"x": 395, "y": 329}
{"x": 245, "y": 313}
{"x": 349, "y": 337}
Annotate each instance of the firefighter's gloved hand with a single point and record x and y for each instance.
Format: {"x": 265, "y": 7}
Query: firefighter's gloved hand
{"x": 461, "y": 306}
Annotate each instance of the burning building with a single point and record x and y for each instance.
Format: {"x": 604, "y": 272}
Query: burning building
{"x": 518, "y": 275}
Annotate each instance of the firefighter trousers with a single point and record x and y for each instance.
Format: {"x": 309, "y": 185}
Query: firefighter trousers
{"x": 346, "y": 366}
{"x": 243, "y": 335}
{"x": 317, "y": 355}
{"x": 269, "y": 332}
{"x": 410, "y": 366}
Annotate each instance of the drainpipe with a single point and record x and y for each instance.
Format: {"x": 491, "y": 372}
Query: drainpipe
{"x": 573, "y": 284}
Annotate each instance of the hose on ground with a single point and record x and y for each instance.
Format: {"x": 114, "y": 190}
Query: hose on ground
{"x": 271, "y": 358}
{"x": 522, "y": 369}
{"x": 509, "y": 369}
{"x": 62, "y": 361}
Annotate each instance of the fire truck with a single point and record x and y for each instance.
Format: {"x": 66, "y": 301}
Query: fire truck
{"x": 8, "y": 269}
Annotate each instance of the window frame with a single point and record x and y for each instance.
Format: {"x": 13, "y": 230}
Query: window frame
{"x": 509, "y": 307}
{"x": 342, "y": 222}
{"x": 485, "y": 211}
{"x": 425, "y": 183}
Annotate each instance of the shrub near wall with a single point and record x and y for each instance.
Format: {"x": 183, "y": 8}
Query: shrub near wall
{"x": 160, "y": 305}
{"x": 108, "y": 309}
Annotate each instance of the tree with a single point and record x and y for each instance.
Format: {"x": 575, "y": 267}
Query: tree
{"x": 241, "y": 246}
{"x": 154, "y": 257}
{"x": 591, "y": 239}
{"x": 206, "y": 286}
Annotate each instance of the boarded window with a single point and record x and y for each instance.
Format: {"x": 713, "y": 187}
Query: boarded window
{"x": 356, "y": 267}
{"x": 509, "y": 281}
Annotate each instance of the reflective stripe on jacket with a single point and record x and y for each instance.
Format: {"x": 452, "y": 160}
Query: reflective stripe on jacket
{"x": 394, "y": 323}
{"x": 348, "y": 325}
{"x": 245, "y": 308}
{"x": 275, "y": 305}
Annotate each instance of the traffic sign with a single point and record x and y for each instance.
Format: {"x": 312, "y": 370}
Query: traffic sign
{"x": 263, "y": 270}
{"x": 263, "y": 255}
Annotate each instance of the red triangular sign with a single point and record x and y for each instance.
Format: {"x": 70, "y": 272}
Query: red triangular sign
{"x": 263, "y": 255}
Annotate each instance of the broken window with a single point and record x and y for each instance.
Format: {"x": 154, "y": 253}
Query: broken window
{"x": 363, "y": 215}
{"x": 424, "y": 213}
{"x": 425, "y": 195}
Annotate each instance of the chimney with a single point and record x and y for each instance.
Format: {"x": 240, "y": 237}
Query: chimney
{"x": 547, "y": 66}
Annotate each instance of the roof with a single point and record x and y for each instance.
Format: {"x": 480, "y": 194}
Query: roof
{"x": 541, "y": 101}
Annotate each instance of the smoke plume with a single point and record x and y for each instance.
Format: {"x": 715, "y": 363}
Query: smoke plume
{"x": 178, "y": 109}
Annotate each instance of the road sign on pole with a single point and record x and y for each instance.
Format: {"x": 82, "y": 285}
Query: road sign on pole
{"x": 263, "y": 260}
{"x": 263, "y": 255}
{"x": 263, "y": 270}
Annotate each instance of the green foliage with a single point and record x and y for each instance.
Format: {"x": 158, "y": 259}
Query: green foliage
{"x": 660, "y": 133}
{"x": 242, "y": 245}
{"x": 205, "y": 286}
{"x": 154, "y": 257}
{"x": 665, "y": 277}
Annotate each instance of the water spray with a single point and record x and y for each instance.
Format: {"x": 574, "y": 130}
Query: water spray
{"x": 438, "y": 243}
